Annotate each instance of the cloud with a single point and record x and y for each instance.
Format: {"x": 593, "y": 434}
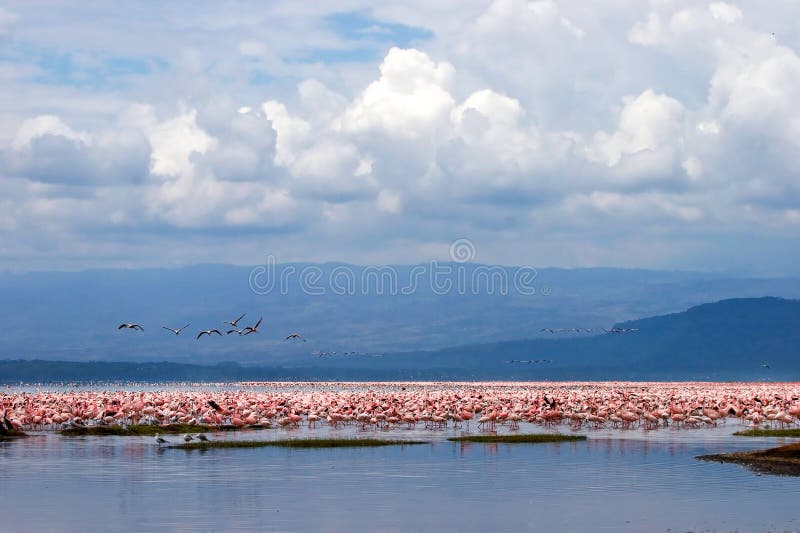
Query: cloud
{"x": 409, "y": 99}
{"x": 45, "y": 125}
{"x": 291, "y": 132}
{"x": 647, "y": 32}
{"x": 7, "y": 20}
{"x": 244, "y": 149}
{"x": 253, "y": 49}
{"x": 759, "y": 92}
{"x": 647, "y": 140}
{"x": 46, "y": 149}
{"x": 322, "y": 103}
{"x": 174, "y": 143}
{"x": 727, "y": 13}
{"x": 640, "y": 207}
{"x": 389, "y": 202}
{"x": 383, "y": 131}
{"x": 494, "y": 148}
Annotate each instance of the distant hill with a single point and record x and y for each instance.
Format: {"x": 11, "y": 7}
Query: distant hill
{"x": 73, "y": 315}
{"x": 730, "y": 338}
{"x": 735, "y": 339}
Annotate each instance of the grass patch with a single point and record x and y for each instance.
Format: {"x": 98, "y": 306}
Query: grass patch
{"x": 783, "y": 460}
{"x": 136, "y": 430}
{"x": 769, "y": 433}
{"x": 296, "y": 443}
{"x": 513, "y": 439}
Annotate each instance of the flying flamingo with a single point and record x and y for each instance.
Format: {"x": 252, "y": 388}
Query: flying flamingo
{"x": 252, "y": 329}
{"x": 208, "y": 332}
{"x": 234, "y": 323}
{"x": 176, "y": 331}
{"x": 130, "y": 326}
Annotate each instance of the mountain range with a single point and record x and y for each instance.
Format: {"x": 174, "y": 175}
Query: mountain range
{"x": 733, "y": 339}
{"x": 73, "y": 316}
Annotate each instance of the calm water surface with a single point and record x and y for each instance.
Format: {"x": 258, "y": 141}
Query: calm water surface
{"x": 615, "y": 481}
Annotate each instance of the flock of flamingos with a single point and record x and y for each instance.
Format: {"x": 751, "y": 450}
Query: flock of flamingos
{"x": 405, "y": 405}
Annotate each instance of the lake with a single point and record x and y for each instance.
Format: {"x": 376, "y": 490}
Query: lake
{"x": 616, "y": 480}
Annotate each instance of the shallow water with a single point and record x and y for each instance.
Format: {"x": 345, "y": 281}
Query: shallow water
{"x": 617, "y": 480}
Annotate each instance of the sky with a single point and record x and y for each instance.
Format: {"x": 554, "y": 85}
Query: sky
{"x": 610, "y": 133}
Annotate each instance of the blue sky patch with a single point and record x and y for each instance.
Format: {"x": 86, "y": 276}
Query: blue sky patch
{"x": 359, "y": 26}
{"x": 338, "y": 55}
{"x": 370, "y": 38}
{"x": 85, "y": 69}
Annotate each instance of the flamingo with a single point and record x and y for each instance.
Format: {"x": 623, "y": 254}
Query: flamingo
{"x": 234, "y": 323}
{"x": 130, "y": 326}
{"x": 595, "y": 405}
{"x": 294, "y": 336}
{"x": 208, "y": 332}
{"x": 176, "y": 331}
{"x": 252, "y": 329}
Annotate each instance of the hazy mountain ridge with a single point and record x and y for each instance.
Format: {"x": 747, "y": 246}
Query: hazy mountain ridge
{"x": 743, "y": 338}
{"x": 733, "y": 337}
{"x": 73, "y": 316}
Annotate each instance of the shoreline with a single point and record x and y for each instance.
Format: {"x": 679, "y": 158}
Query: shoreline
{"x": 782, "y": 460}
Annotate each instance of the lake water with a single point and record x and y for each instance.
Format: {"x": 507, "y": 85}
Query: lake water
{"x": 617, "y": 481}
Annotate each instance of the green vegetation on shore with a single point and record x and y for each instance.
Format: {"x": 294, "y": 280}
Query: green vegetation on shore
{"x": 512, "y": 439}
{"x": 769, "y": 433}
{"x": 136, "y": 430}
{"x": 296, "y": 443}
